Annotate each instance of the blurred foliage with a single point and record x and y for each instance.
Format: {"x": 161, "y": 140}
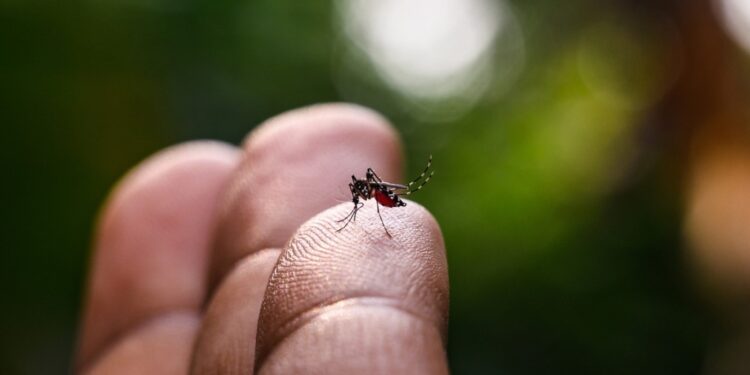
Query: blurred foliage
{"x": 561, "y": 221}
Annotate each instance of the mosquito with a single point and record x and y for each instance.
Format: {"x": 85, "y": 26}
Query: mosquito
{"x": 386, "y": 194}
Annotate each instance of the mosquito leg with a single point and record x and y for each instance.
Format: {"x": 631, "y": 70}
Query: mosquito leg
{"x": 349, "y": 215}
{"x": 355, "y": 200}
{"x": 381, "y": 219}
{"x": 352, "y": 216}
{"x": 371, "y": 175}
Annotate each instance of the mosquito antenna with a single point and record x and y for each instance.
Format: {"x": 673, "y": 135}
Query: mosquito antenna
{"x": 352, "y": 216}
{"x": 381, "y": 219}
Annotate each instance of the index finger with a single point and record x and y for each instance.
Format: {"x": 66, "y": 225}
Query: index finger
{"x": 294, "y": 166}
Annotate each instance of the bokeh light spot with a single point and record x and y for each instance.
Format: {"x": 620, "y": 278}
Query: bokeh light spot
{"x": 736, "y": 16}
{"x": 429, "y": 52}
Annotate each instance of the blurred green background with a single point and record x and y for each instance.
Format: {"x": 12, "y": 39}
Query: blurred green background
{"x": 554, "y": 184}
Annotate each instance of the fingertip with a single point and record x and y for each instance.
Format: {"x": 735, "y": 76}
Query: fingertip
{"x": 408, "y": 225}
{"x": 152, "y": 241}
{"x": 322, "y": 270}
{"x": 325, "y": 118}
{"x": 327, "y": 137}
{"x": 207, "y": 152}
{"x": 295, "y": 165}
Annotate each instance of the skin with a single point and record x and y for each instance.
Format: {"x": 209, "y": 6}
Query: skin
{"x": 211, "y": 259}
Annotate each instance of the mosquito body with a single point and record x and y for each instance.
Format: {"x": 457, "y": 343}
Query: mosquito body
{"x": 386, "y": 194}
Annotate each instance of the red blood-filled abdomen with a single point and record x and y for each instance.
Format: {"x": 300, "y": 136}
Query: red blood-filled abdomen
{"x": 384, "y": 199}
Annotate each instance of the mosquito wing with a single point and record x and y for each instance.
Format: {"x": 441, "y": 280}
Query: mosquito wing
{"x": 390, "y": 185}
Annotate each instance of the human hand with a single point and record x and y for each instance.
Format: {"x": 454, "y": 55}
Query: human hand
{"x": 187, "y": 240}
